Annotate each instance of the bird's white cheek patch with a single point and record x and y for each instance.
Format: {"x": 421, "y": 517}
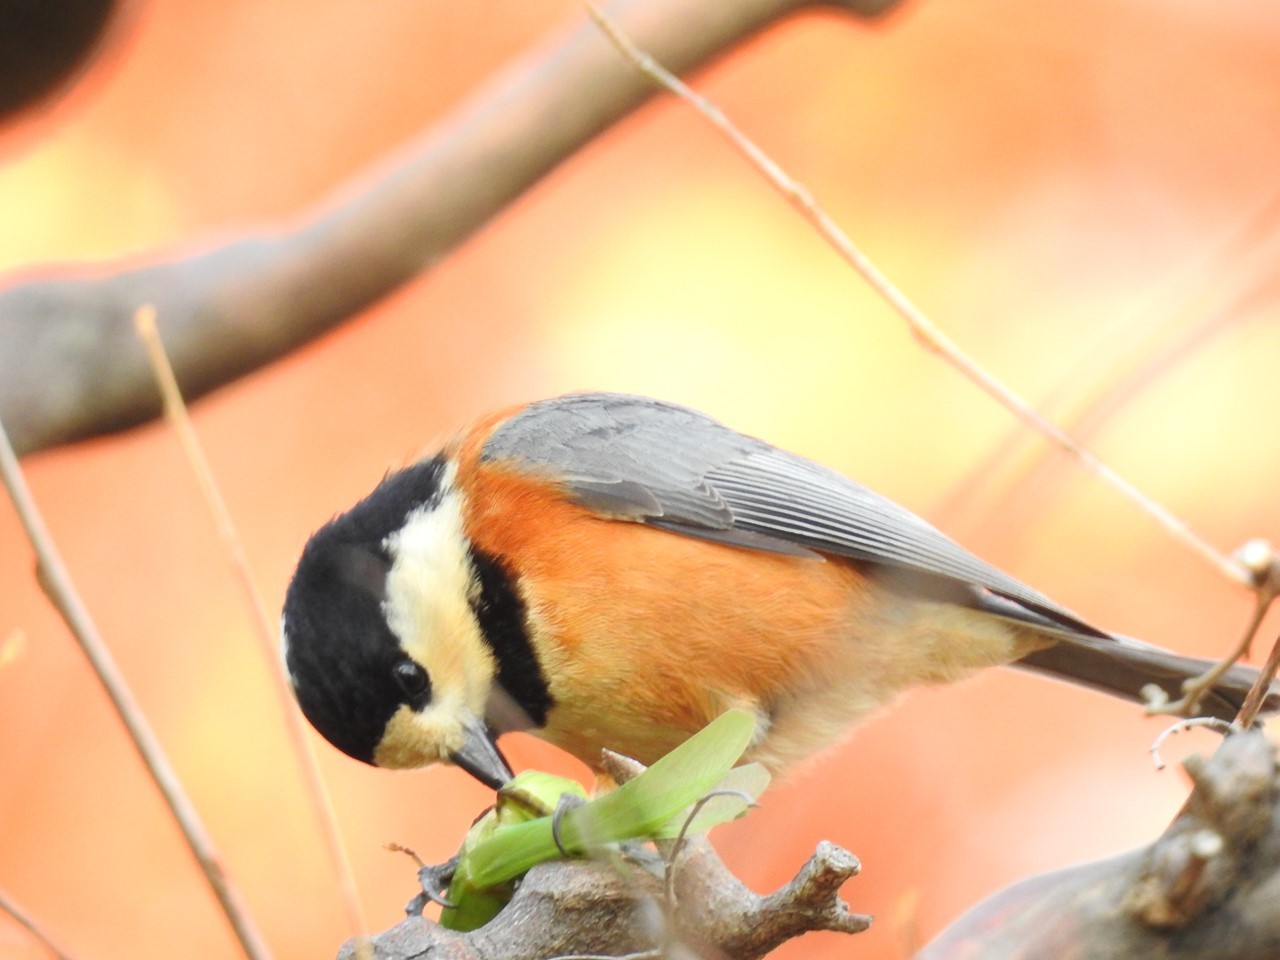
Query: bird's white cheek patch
{"x": 418, "y": 739}
{"x": 428, "y": 602}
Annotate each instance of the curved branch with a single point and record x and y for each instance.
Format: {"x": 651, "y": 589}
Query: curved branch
{"x": 576, "y": 908}
{"x": 1205, "y": 889}
{"x": 612, "y": 908}
{"x": 70, "y": 366}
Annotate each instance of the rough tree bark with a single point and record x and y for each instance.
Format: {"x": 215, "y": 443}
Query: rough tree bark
{"x": 592, "y": 908}
{"x": 71, "y": 367}
{"x": 576, "y": 908}
{"x": 1207, "y": 889}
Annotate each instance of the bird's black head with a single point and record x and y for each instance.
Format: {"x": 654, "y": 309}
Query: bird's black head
{"x": 381, "y": 636}
{"x": 348, "y": 669}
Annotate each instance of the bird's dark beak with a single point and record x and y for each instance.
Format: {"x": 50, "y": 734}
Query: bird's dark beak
{"x": 481, "y": 758}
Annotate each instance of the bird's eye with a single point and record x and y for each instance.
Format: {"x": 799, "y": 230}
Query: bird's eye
{"x": 411, "y": 678}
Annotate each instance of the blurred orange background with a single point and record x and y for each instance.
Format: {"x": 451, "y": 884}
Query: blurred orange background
{"x": 1051, "y": 182}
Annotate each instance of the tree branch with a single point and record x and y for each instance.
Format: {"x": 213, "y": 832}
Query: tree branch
{"x": 1206, "y": 889}
{"x": 609, "y": 908}
{"x": 55, "y": 580}
{"x": 71, "y": 368}
{"x": 573, "y": 908}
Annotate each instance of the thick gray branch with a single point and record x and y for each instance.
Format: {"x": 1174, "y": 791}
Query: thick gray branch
{"x": 581, "y": 908}
{"x": 70, "y": 366}
{"x": 1208, "y": 889}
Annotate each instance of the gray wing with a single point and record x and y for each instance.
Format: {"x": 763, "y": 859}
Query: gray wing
{"x": 641, "y": 459}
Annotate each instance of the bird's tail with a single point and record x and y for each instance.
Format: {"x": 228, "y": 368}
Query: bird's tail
{"x": 1124, "y": 667}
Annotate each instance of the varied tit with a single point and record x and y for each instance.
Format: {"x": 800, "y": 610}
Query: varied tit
{"x": 614, "y": 571}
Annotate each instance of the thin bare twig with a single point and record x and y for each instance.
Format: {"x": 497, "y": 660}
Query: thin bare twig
{"x": 924, "y": 329}
{"x": 1263, "y": 563}
{"x": 69, "y": 363}
{"x": 1195, "y": 688}
{"x": 1213, "y": 723}
{"x": 677, "y": 846}
{"x": 1261, "y": 687}
{"x": 175, "y": 411}
{"x": 58, "y": 586}
{"x": 24, "y": 920}
{"x": 1208, "y": 296}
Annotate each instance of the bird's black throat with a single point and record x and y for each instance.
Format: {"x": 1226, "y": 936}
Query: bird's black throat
{"x": 500, "y": 611}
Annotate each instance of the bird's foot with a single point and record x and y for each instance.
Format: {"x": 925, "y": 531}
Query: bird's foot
{"x": 567, "y": 802}
{"x": 434, "y": 880}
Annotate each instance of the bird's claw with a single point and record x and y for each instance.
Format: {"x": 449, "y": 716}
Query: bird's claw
{"x": 567, "y": 802}
{"x": 639, "y": 853}
{"x": 434, "y": 880}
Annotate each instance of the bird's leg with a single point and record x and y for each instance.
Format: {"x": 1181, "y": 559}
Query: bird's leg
{"x": 567, "y": 802}
{"x": 434, "y": 880}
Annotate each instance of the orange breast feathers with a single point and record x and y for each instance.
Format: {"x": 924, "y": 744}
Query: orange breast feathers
{"x": 645, "y": 635}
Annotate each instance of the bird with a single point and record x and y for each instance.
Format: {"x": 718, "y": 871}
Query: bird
{"x": 612, "y": 571}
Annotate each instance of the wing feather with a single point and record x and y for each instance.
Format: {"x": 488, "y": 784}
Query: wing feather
{"x": 641, "y": 459}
